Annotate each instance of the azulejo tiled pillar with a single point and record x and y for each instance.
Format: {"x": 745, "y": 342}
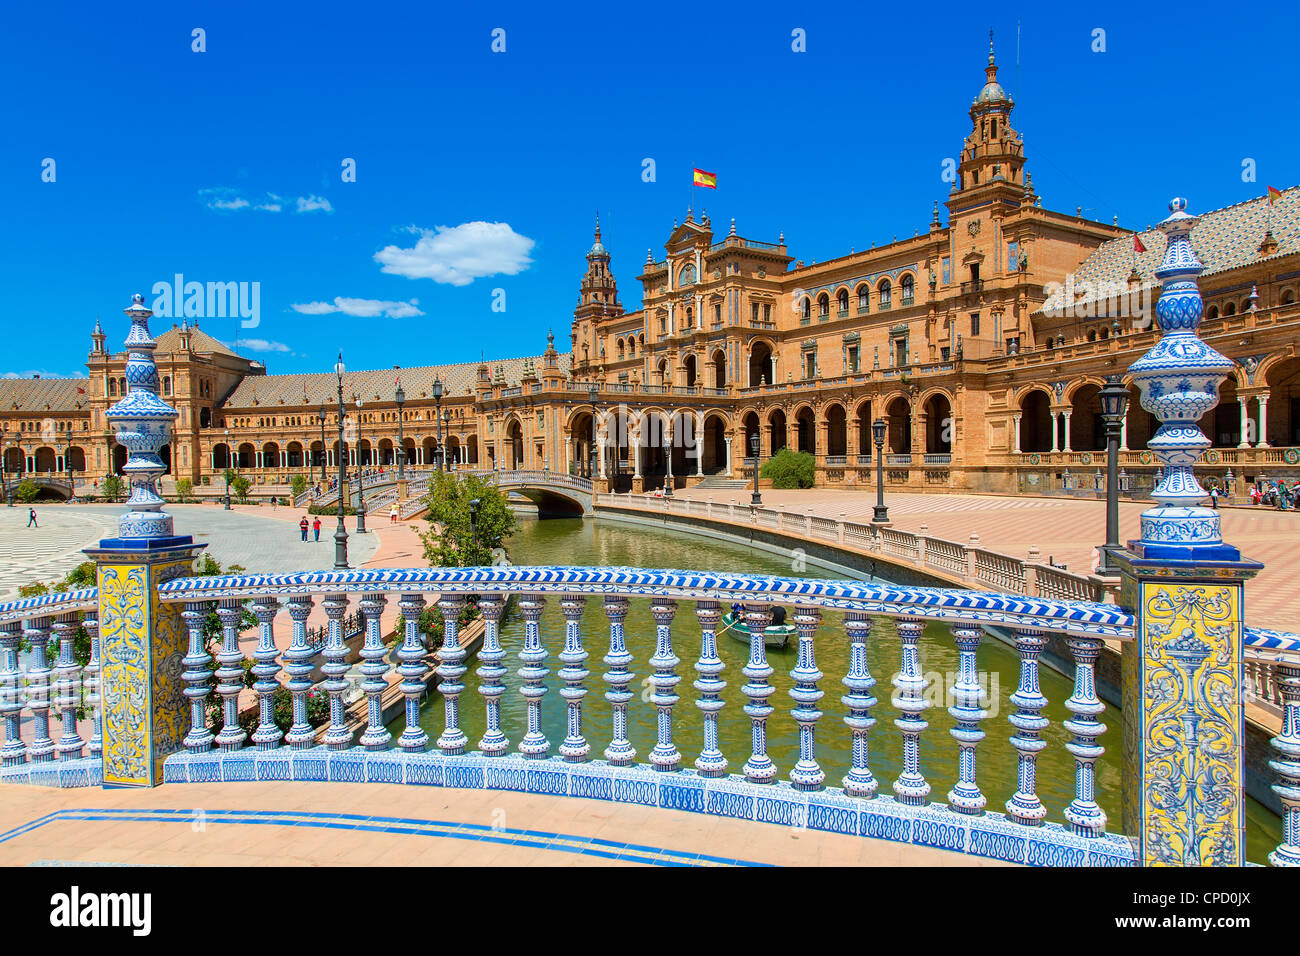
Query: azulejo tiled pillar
{"x": 1184, "y": 747}
{"x": 142, "y": 641}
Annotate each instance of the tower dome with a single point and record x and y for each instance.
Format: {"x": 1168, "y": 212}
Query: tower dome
{"x": 992, "y": 91}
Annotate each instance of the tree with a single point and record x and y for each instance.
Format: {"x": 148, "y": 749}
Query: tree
{"x": 298, "y": 484}
{"x": 27, "y": 492}
{"x": 790, "y": 469}
{"x": 240, "y": 487}
{"x": 112, "y": 487}
{"x": 184, "y": 488}
{"x": 448, "y": 542}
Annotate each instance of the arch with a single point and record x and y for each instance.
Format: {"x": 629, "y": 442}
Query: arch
{"x": 1212, "y": 312}
{"x": 1036, "y": 421}
{"x": 777, "y": 430}
{"x": 1287, "y": 297}
{"x": 1230, "y": 308}
{"x": 46, "y": 459}
{"x": 14, "y": 460}
{"x": 75, "y": 458}
{"x": 514, "y": 432}
{"x": 884, "y": 293}
{"x": 864, "y": 297}
{"x": 938, "y": 423}
{"x": 1087, "y": 429}
{"x": 295, "y": 454}
{"x": 863, "y": 419}
{"x": 823, "y": 304}
{"x": 719, "y": 369}
{"x": 805, "y": 308}
{"x": 1074, "y": 387}
{"x": 454, "y": 451}
{"x": 837, "y": 432}
{"x": 119, "y": 459}
{"x": 270, "y": 455}
{"x": 907, "y": 288}
{"x": 842, "y": 299}
{"x": 806, "y": 426}
{"x": 760, "y": 364}
{"x": 619, "y": 347}
{"x": 689, "y": 369}
{"x": 1283, "y": 379}
{"x": 471, "y": 447}
{"x": 713, "y": 443}
{"x": 661, "y": 373}
{"x": 220, "y": 456}
{"x": 244, "y": 456}
{"x": 898, "y": 436}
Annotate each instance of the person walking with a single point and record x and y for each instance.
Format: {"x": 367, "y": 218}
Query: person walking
{"x": 1214, "y": 496}
{"x": 302, "y": 526}
{"x": 316, "y": 527}
{"x": 31, "y": 518}
{"x": 392, "y": 514}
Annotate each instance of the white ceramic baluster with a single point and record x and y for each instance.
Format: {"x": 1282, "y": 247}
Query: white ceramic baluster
{"x": 664, "y": 756}
{"x": 230, "y": 674}
{"x": 413, "y": 670}
{"x": 759, "y": 767}
{"x": 711, "y": 762}
{"x": 965, "y": 796}
{"x": 1286, "y": 678}
{"x": 70, "y": 744}
{"x": 575, "y": 747}
{"x": 1024, "y": 806}
{"x": 197, "y": 675}
{"x": 534, "y": 743}
{"x": 267, "y": 736}
{"x": 37, "y": 633}
{"x": 450, "y": 670}
{"x": 859, "y": 781}
{"x": 298, "y": 665}
{"x": 491, "y": 669}
{"x": 335, "y": 670}
{"x": 807, "y": 774}
{"x": 620, "y": 753}
{"x": 373, "y": 653}
{"x": 11, "y": 698}
{"x": 94, "y": 697}
{"x": 1083, "y": 814}
{"x": 911, "y": 787}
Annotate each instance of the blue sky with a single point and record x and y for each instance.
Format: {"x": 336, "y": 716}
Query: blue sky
{"x": 162, "y": 155}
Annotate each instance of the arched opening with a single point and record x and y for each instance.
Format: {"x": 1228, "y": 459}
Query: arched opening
{"x": 1087, "y": 430}
{"x": 864, "y": 419}
{"x": 46, "y": 460}
{"x": 777, "y": 429}
{"x": 386, "y": 452}
{"x": 713, "y": 447}
{"x": 884, "y": 294}
{"x": 689, "y": 366}
{"x": 719, "y": 369}
{"x": 806, "y": 425}
{"x": 471, "y": 446}
{"x": 270, "y": 455}
{"x": 515, "y": 441}
{"x": 245, "y": 456}
{"x": 1222, "y": 423}
{"x": 119, "y": 459}
{"x": 580, "y": 444}
{"x": 454, "y": 450}
{"x": 1035, "y": 422}
{"x": 220, "y": 456}
{"x": 898, "y": 439}
{"x": 750, "y": 430}
{"x": 295, "y": 454}
{"x": 14, "y": 461}
{"x": 661, "y": 373}
{"x": 837, "y": 432}
{"x": 1284, "y": 403}
{"x": 427, "y": 449}
{"x": 760, "y": 365}
{"x": 76, "y": 459}
{"x": 165, "y": 453}
{"x": 938, "y": 425}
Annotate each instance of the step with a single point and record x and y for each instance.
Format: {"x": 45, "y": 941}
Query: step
{"x": 717, "y": 482}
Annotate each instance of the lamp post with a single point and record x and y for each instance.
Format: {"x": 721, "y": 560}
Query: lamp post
{"x": 361, "y": 477}
{"x": 400, "y": 398}
{"x": 473, "y": 530}
{"x": 881, "y": 513}
{"x": 229, "y": 461}
{"x": 323, "y": 456}
{"x": 755, "y": 499}
{"x": 446, "y": 423}
{"x": 592, "y": 394}
{"x": 341, "y": 532}
{"x": 437, "y": 414}
{"x": 1114, "y": 404}
{"x": 4, "y": 471}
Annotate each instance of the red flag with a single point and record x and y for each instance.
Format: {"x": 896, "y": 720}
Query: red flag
{"x": 1137, "y": 245}
{"x": 80, "y": 390}
{"x": 1273, "y": 195}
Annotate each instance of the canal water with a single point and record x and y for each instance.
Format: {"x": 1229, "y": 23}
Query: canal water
{"x": 594, "y": 542}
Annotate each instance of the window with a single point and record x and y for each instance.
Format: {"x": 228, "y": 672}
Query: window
{"x": 900, "y": 350}
{"x": 944, "y": 353}
{"x": 753, "y": 308}
{"x": 810, "y": 364}
{"x": 717, "y": 315}
{"x": 974, "y": 324}
{"x": 823, "y": 305}
{"x": 687, "y": 275}
{"x": 843, "y": 298}
{"x": 663, "y": 322}
{"x": 767, "y": 313}
{"x": 909, "y": 289}
{"x": 947, "y": 270}
{"x": 852, "y": 359}
{"x": 690, "y": 316}
{"x": 884, "y": 294}
{"x": 806, "y": 309}
{"x": 864, "y": 298}
{"x": 993, "y": 127}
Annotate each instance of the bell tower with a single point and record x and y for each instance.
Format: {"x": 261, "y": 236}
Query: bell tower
{"x": 597, "y": 301}
{"x": 993, "y": 156}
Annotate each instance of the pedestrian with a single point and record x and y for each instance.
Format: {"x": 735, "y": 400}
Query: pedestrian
{"x": 31, "y": 518}
{"x": 274, "y": 502}
{"x": 302, "y": 526}
{"x": 1214, "y": 496}
{"x": 392, "y": 514}
{"x": 316, "y": 527}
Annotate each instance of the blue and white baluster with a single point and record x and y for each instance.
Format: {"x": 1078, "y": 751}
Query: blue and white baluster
{"x": 267, "y": 736}
{"x": 664, "y": 756}
{"x": 859, "y": 781}
{"x": 197, "y": 674}
{"x": 1024, "y": 806}
{"x": 37, "y": 632}
{"x": 94, "y": 688}
{"x": 534, "y": 743}
{"x": 575, "y": 747}
{"x": 710, "y": 762}
{"x": 620, "y": 752}
{"x": 335, "y": 669}
{"x": 373, "y": 652}
{"x": 1287, "y": 764}
{"x": 911, "y": 788}
{"x": 70, "y": 744}
{"x": 494, "y": 743}
{"x": 759, "y": 767}
{"x": 14, "y": 750}
{"x": 965, "y": 796}
{"x": 807, "y": 774}
{"x": 1084, "y": 816}
{"x": 298, "y": 664}
{"x": 413, "y": 670}
{"x": 230, "y": 673}
{"x": 450, "y": 670}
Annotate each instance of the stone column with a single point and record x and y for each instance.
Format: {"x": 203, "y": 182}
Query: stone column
{"x": 1123, "y": 434}
{"x": 568, "y": 452}
{"x": 728, "y": 441}
{"x": 1245, "y": 421}
{"x": 1056, "y": 429}
{"x": 1016, "y": 426}
{"x": 1067, "y": 415}
{"x": 1263, "y": 421}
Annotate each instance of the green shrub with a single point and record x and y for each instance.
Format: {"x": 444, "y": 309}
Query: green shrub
{"x": 27, "y": 492}
{"x": 790, "y": 469}
{"x": 298, "y": 484}
{"x": 184, "y": 488}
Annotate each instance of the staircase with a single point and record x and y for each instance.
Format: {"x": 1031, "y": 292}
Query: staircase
{"x": 719, "y": 482}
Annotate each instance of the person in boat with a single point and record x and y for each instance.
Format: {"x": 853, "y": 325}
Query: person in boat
{"x": 778, "y": 616}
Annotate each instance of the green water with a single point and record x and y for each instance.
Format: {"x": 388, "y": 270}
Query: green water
{"x": 579, "y": 542}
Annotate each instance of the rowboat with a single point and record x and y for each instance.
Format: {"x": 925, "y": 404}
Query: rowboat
{"x": 775, "y": 635}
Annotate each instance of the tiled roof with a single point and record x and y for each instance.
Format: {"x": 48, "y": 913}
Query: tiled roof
{"x": 378, "y": 384}
{"x": 36, "y": 395}
{"x": 1224, "y": 239}
{"x": 200, "y": 341}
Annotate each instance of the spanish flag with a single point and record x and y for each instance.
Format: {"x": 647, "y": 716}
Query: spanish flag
{"x": 707, "y": 180}
{"x": 1273, "y": 194}
{"x": 1138, "y": 248}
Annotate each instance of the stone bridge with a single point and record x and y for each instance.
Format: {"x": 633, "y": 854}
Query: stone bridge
{"x": 554, "y": 494}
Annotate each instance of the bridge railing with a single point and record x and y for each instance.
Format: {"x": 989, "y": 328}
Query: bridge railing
{"x": 847, "y": 797}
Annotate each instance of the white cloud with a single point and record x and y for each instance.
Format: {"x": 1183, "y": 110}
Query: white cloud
{"x": 361, "y": 308}
{"x": 457, "y": 255}
{"x": 263, "y": 345}
{"x": 314, "y": 204}
{"x": 225, "y": 199}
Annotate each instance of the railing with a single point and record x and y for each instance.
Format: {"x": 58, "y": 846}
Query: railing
{"x": 941, "y": 458}
{"x": 667, "y": 778}
{"x": 898, "y": 459}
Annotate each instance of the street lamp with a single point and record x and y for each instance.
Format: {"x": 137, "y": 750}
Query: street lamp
{"x": 449, "y": 463}
{"x": 341, "y": 532}
{"x": 755, "y": 499}
{"x": 592, "y": 394}
{"x": 323, "y": 456}
{"x": 400, "y": 398}
{"x": 878, "y": 428}
{"x": 473, "y": 531}
{"x": 361, "y": 478}
{"x": 1114, "y": 403}
{"x": 229, "y": 461}
{"x": 437, "y": 414}
{"x": 4, "y": 472}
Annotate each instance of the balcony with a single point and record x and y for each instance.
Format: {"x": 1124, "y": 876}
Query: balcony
{"x": 972, "y": 287}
